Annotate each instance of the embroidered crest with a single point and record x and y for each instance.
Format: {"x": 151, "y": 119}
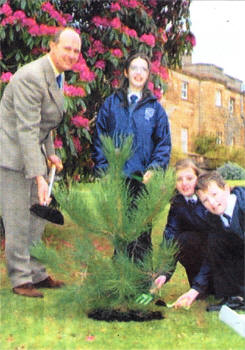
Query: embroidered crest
{"x": 149, "y": 112}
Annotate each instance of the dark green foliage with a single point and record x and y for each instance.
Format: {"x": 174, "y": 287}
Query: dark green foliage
{"x": 232, "y": 171}
{"x": 102, "y": 209}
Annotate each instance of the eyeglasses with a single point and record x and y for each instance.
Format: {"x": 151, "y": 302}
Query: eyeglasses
{"x": 139, "y": 69}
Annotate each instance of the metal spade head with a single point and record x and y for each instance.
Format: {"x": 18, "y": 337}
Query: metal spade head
{"x": 47, "y": 213}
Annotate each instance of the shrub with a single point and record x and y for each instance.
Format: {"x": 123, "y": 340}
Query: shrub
{"x": 232, "y": 171}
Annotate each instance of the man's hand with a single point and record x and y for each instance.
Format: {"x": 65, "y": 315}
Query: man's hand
{"x": 186, "y": 299}
{"x": 157, "y": 284}
{"x": 54, "y": 159}
{"x": 42, "y": 190}
{"x": 147, "y": 176}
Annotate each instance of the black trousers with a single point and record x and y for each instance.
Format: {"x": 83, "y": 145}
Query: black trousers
{"x": 142, "y": 246}
{"x": 226, "y": 257}
{"x": 192, "y": 252}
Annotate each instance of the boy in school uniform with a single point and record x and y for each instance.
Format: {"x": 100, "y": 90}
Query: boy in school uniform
{"x": 225, "y": 244}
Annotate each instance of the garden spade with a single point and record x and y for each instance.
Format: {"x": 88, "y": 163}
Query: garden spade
{"x": 44, "y": 211}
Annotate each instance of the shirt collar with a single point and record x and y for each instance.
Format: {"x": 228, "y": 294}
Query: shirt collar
{"x": 231, "y": 205}
{"x": 192, "y": 198}
{"x": 56, "y": 72}
{"x": 138, "y": 94}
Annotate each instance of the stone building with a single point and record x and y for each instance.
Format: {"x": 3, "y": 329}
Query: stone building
{"x": 201, "y": 99}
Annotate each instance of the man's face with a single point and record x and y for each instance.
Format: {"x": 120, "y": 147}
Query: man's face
{"x": 186, "y": 181}
{"x": 215, "y": 198}
{"x": 66, "y": 51}
{"x": 138, "y": 73}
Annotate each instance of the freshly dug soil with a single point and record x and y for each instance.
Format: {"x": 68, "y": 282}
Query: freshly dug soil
{"x": 124, "y": 316}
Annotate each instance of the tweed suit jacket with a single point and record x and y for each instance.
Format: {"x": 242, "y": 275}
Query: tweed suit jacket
{"x": 31, "y": 107}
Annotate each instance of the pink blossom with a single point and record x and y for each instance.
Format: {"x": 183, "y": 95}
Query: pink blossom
{"x": 47, "y": 30}
{"x": 34, "y": 30}
{"x": 79, "y": 121}
{"x": 151, "y": 86}
{"x": 115, "y": 7}
{"x": 47, "y": 7}
{"x": 100, "y": 21}
{"x": 115, "y": 23}
{"x": 6, "y": 10}
{"x": 74, "y": 91}
{"x": 58, "y": 143}
{"x": 116, "y": 73}
{"x": 20, "y": 15}
{"x": 153, "y": 3}
{"x": 29, "y": 22}
{"x": 149, "y": 39}
{"x": 130, "y": 32}
{"x": 158, "y": 93}
{"x": 163, "y": 73}
{"x": 77, "y": 144}
{"x": 8, "y": 20}
{"x": 191, "y": 39}
{"x": 100, "y": 64}
{"x": 115, "y": 83}
{"x": 117, "y": 52}
{"x": 155, "y": 67}
{"x": 129, "y": 3}
{"x": 5, "y": 77}
{"x": 87, "y": 75}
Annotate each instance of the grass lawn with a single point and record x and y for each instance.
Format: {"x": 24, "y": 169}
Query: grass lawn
{"x": 39, "y": 324}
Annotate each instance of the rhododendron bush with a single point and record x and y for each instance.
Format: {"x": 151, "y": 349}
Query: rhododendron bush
{"x": 110, "y": 30}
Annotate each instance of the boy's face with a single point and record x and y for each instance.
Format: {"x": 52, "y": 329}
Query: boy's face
{"x": 215, "y": 198}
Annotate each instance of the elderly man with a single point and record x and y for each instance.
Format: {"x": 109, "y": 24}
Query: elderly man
{"x": 31, "y": 107}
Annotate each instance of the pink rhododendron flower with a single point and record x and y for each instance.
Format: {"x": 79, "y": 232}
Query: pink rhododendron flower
{"x": 74, "y": 91}
{"x": 115, "y": 7}
{"x": 58, "y": 143}
{"x": 117, "y": 73}
{"x": 117, "y": 52}
{"x": 115, "y": 83}
{"x": 6, "y": 10}
{"x": 151, "y": 86}
{"x": 191, "y": 39}
{"x": 79, "y": 121}
{"x": 163, "y": 73}
{"x": 149, "y": 39}
{"x": 5, "y": 77}
{"x": 115, "y": 23}
{"x": 158, "y": 93}
{"x": 34, "y": 30}
{"x": 29, "y": 22}
{"x": 8, "y": 20}
{"x": 153, "y": 3}
{"x": 100, "y": 64}
{"x": 130, "y": 32}
{"x": 47, "y": 7}
{"x": 155, "y": 67}
{"x": 20, "y": 15}
{"x": 100, "y": 21}
{"x": 77, "y": 144}
{"x": 47, "y": 30}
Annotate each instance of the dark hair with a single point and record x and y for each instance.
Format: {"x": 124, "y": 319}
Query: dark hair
{"x": 188, "y": 163}
{"x": 204, "y": 180}
{"x": 125, "y": 83}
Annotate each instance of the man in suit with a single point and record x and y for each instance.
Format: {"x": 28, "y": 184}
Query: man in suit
{"x": 226, "y": 208}
{"x": 31, "y": 107}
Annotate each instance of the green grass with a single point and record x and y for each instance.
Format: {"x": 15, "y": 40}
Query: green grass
{"x": 39, "y": 324}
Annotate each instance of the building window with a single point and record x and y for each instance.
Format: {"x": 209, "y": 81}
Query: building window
{"x": 184, "y": 90}
{"x": 184, "y": 140}
{"x": 232, "y": 105}
{"x": 218, "y": 137}
{"x": 218, "y": 101}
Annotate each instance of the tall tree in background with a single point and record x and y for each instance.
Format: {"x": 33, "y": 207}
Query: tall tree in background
{"x": 110, "y": 30}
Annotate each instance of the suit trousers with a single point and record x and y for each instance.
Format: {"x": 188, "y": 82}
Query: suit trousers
{"x": 22, "y": 228}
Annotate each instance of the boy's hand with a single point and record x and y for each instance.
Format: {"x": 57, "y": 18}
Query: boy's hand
{"x": 186, "y": 299}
